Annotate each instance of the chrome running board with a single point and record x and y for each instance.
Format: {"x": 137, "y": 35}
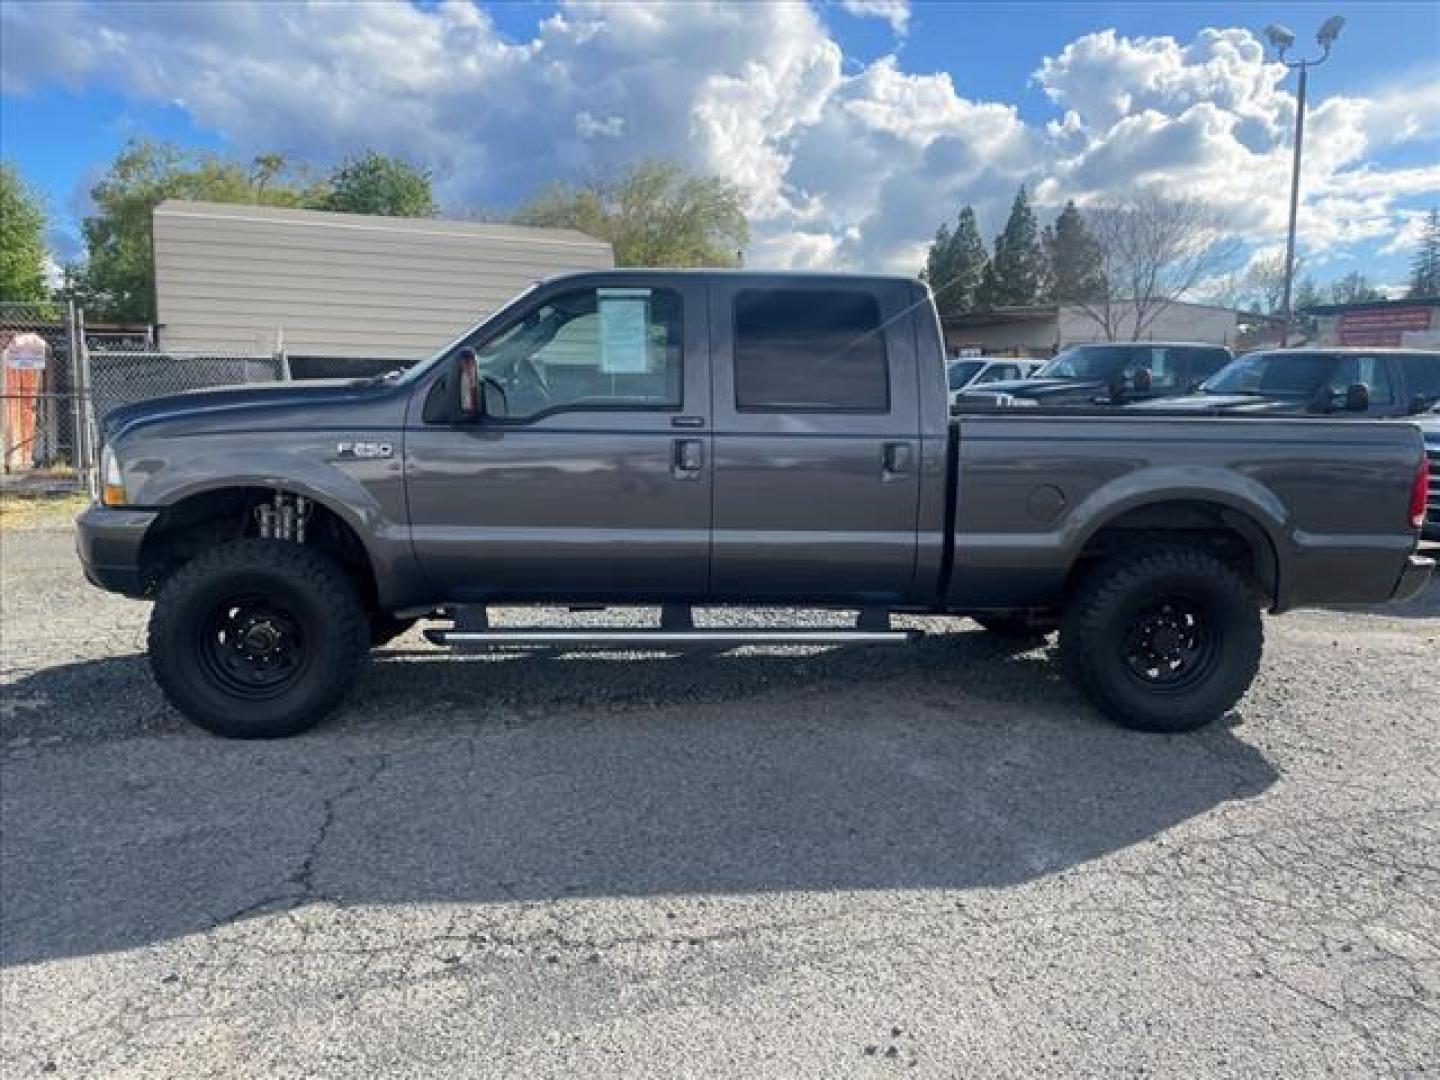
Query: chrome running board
{"x": 661, "y": 638}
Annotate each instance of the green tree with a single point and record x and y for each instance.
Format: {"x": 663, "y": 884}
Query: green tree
{"x": 1425, "y": 266}
{"x": 955, "y": 265}
{"x": 1307, "y": 295}
{"x": 376, "y": 184}
{"x": 118, "y": 277}
{"x": 1072, "y": 258}
{"x": 1354, "y": 288}
{"x": 655, "y": 214}
{"x": 1016, "y": 267}
{"x": 22, "y": 238}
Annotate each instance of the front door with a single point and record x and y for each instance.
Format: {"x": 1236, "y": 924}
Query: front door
{"x": 817, "y": 441}
{"x": 595, "y": 483}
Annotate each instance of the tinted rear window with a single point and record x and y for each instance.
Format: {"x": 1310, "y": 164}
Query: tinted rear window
{"x": 800, "y": 350}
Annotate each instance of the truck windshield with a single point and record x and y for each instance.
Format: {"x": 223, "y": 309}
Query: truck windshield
{"x": 1085, "y": 362}
{"x": 962, "y": 371}
{"x": 1273, "y": 374}
{"x": 418, "y": 370}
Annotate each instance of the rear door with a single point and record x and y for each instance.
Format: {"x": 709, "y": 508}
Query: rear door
{"x": 817, "y": 440}
{"x": 596, "y": 482}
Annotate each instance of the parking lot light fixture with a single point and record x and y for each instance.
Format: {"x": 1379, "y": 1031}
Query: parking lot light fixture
{"x": 1281, "y": 39}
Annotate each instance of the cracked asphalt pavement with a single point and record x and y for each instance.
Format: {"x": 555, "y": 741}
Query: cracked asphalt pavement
{"x": 925, "y": 861}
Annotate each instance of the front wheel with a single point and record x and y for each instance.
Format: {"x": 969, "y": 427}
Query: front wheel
{"x": 1166, "y": 640}
{"x": 257, "y": 639}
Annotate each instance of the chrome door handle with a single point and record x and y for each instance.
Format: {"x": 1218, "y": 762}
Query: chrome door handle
{"x": 895, "y": 459}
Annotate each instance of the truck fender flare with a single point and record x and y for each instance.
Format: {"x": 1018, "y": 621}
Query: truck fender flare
{"x": 1247, "y": 506}
{"x": 318, "y": 481}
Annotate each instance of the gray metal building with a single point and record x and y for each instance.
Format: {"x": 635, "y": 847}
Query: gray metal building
{"x": 254, "y": 279}
{"x": 1044, "y": 329}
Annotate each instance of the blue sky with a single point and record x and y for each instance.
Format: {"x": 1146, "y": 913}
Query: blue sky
{"x": 856, "y": 125}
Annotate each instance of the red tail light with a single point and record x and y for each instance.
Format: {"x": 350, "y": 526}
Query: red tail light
{"x": 1417, "y": 495}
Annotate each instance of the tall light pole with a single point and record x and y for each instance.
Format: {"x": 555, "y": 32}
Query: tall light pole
{"x": 1282, "y": 39}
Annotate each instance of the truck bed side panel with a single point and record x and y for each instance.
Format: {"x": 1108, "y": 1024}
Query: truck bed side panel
{"x": 1331, "y": 497}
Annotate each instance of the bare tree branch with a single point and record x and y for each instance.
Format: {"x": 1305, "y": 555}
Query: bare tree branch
{"x": 1153, "y": 251}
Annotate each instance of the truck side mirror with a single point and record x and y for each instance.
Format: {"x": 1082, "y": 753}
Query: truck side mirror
{"x": 1143, "y": 380}
{"x": 1357, "y": 398}
{"x": 457, "y": 397}
{"x": 470, "y": 398}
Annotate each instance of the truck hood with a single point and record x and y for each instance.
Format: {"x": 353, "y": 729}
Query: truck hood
{"x": 245, "y": 406}
{"x": 1046, "y": 391}
{"x": 1227, "y": 403}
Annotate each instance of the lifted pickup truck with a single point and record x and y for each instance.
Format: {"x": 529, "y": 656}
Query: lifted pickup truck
{"x": 670, "y": 438}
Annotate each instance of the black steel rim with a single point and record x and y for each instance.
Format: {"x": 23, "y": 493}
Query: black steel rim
{"x": 252, "y": 647}
{"x": 1170, "y": 644}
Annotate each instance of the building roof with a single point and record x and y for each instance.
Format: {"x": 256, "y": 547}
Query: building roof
{"x": 1030, "y": 313}
{"x": 1371, "y": 305}
{"x": 438, "y": 227}
{"x": 1004, "y": 316}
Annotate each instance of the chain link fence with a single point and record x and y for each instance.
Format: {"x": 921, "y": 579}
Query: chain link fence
{"x": 61, "y": 381}
{"x": 125, "y": 373}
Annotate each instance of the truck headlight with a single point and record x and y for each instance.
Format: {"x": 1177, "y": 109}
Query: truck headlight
{"x": 112, "y": 481}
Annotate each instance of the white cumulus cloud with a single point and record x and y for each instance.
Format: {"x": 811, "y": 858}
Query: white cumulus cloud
{"x": 894, "y": 12}
{"x": 846, "y": 165}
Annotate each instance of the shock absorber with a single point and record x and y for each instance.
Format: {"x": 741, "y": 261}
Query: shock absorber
{"x": 283, "y": 518}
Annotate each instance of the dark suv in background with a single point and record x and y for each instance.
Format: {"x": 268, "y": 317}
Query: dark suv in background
{"x": 1117, "y": 373}
{"x": 1362, "y": 381}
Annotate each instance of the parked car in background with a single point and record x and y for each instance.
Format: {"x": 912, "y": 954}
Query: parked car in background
{"x": 1357, "y": 381}
{"x": 1110, "y": 374}
{"x": 969, "y": 371}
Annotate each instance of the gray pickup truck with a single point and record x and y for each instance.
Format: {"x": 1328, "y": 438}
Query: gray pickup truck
{"x": 675, "y": 438}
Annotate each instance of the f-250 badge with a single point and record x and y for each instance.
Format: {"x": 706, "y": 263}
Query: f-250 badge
{"x": 364, "y": 450}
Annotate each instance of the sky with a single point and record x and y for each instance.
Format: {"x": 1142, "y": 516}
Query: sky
{"x": 855, "y": 127}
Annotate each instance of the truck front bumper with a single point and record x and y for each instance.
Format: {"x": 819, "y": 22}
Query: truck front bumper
{"x": 1413, "y": 578}
{"x": 108, "y": 541}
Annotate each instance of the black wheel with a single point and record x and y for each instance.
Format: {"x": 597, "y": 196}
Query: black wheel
{"x": 1165, "y": 640}
{"x": 257, "y": 639}
{"x": 386, "y": 628}
{"x": 1011, "y": 627}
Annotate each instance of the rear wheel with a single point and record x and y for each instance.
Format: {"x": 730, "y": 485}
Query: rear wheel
{"x": 257, "y": 638}
{"x": 1165, "y": 640}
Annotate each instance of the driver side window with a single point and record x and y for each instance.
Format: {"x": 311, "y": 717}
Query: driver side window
{"x": 606, "y": 348}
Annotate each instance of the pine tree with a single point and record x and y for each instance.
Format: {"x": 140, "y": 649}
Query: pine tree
{"x": 955, "y": 264}
{"x": 939, "y": 259}
{"x": 1072, "y": 258}
{"x": 1425, "y": 267}
{"x": 1017, "y": 263}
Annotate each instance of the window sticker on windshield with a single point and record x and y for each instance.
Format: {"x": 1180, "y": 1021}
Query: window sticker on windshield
{"x": 624, "y": 321}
